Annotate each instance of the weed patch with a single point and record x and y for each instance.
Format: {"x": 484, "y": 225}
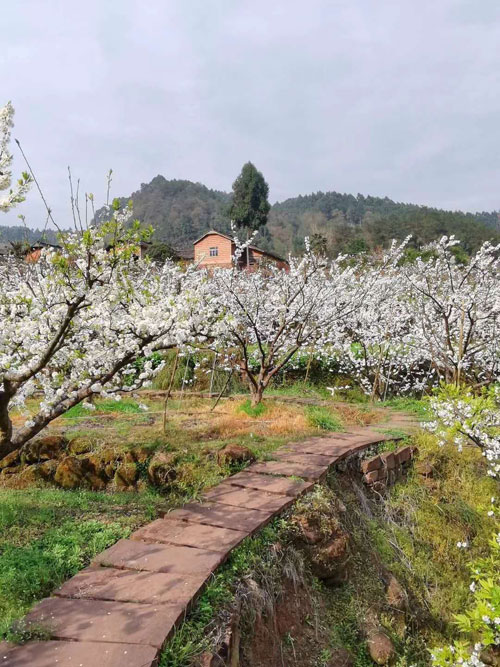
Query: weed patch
{"x": 252, "y": 410}
{"x": 324, "y": 419}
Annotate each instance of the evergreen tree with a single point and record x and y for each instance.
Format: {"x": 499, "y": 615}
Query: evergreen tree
{"x": 250, "y": 207}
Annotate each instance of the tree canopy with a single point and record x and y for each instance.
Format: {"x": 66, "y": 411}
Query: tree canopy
{"x": 250, "y": 206}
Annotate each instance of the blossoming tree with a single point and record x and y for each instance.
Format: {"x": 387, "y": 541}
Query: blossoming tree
{"x": 270, "y": 315}
{"x": 17, "y": 194}
{"x": 74, "y": 323}
{"x": 455, "y": 310}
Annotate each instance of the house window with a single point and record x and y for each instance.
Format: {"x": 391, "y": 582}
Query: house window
{"x": 214, "y": 252}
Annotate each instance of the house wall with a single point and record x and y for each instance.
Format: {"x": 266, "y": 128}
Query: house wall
{"x": 226, "y": 251}
{"x": 202, "y": 251}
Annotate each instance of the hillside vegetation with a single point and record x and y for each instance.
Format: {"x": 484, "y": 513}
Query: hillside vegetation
{"x": 180, "y": 211}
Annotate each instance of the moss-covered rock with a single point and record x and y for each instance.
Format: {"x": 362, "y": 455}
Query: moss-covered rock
{"x": 233, "y": 454}
{"x": 79, "y": 445}
{"x": 72, "y": 473}
{"x": 126, "y": 476}
{"x": 10, "y": 460}
{"x": 43, "y": 449}
{"x": 161, "y": 470}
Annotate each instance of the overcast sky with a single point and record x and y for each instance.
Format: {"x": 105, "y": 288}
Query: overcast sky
{"x": 398, "y": 98}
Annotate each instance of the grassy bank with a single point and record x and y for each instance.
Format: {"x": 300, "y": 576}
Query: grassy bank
{"x": 47, "y": 535}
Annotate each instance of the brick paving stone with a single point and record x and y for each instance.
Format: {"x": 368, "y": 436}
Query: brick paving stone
{"x": 312, "y": 472}
{"x": 222, "y": 516}
{"x": 80, "y": 654}
{"x": 327, "y": 448}
{"x": 99, "y": 621}
{"x": 194, "y": 535}
{"x": 245, "y": 497}
{"x": 287, "y": 487}
{"x": 297, "y": 457}
{"x": 106, "y": 583}
{"x": 135, "y": 555}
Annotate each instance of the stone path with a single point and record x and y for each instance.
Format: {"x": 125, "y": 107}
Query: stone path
{"x": 121, "y": 610}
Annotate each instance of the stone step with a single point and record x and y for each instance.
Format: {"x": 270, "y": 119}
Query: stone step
{"x": 235, "y": 496}
{"x": 222, "y": 516}
{"x": 194, "y": 535}
{"x": 279, "y": 485}
{"x": 135, "y": 555}
{"x": 100, "y": 621}
{"x": 79, "y": 654}
{"x": 309, "y": 471}
{"x": 106, "y": 583}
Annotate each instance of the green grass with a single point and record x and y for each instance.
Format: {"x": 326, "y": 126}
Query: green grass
{"x": 125, "y": 406}
{"x": 252, "y": 410}
{"x": 46, "y": 536}
{"x": 417, "y": 407}
{"x": 324, "y": 419}
{"x": 299, "y": 390}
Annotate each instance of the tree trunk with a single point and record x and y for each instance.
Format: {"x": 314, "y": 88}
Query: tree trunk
{"x": 257, "y": 393}
{"x": 6, "y": 445}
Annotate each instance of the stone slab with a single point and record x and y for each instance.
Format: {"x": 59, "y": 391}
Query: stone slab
{"x": 280, "y": 485}
{"x": 222, "y": 516}
{"x": 308, "y": 471}
{"x": 297, "y": 457}
{"x": 194, "y": 535}
{"x": 99, "y": 621}
{"x": 249, "y": 498}
{"x": 327, "y": 447}
{"x": 135, "y": 555}
{"x": 106, "y": 583}
{"x": 80, "y": 654}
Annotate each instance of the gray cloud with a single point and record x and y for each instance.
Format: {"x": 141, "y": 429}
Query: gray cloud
{"x": 396, "y": 98}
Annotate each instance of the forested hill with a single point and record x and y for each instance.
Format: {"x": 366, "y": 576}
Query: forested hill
{"x": 21, "y": 233}
{"x": 180, "y": 211}
{"x": 348, "y": 222}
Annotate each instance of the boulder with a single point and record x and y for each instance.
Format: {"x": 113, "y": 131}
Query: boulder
{"x": 231, "y": 454}
{"x": 126, "y": 476}
{"x": 47, "y": 470}
{"x": 29, "y": 474}
{"x": 380, "y": 647}
{"x": 395, "y": 594}
{"x": 79, "y": 445}
{"x": 138, "y": 455}
{"x": 12, "y": 470}
{"x": 10, "y": 460}
{"x": 161, "y": 470}
{"x": 72, "y": 473}
{"x": 43, "y": 449}
{"x": 104, "y": 463}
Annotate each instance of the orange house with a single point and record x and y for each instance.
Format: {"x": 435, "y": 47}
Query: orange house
{"x": 215, "y": 249}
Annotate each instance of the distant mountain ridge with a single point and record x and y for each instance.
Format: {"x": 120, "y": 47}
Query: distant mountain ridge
{"x": 180, "y": 211}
